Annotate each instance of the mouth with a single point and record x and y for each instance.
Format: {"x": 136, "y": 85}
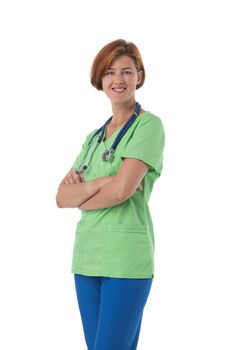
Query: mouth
{"x": 119, "y": 90}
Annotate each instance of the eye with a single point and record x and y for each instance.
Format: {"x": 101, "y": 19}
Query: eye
{"x": 127, "y": 72}
{"x": 109, "y": 72}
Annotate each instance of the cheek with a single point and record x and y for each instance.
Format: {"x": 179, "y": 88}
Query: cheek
{"x": 105, "y": 83}
{"x": 131, "y": 81}
{"x": 105, "y": 86}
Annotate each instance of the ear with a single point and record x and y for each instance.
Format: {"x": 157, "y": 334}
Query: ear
{"x": 140, "y": 75}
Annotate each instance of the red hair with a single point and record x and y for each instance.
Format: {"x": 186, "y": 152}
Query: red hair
{"x": 108, "y": 53}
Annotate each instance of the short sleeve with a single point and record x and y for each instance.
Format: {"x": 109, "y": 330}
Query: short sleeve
{"x": 147, "y": 143}
{"x": 81, "y": 155}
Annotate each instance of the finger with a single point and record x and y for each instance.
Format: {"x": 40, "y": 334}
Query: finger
{"x": 75, "y": 177}
{"x": 81, "y": 177}
{"x": 70, "y": 179}
{"x": 140, "y": 187}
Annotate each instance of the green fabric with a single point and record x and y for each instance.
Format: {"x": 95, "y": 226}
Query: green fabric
{"x": 119, "y": 241}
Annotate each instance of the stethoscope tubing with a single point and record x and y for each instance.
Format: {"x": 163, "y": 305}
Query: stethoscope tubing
{"x": 108, "y": 154}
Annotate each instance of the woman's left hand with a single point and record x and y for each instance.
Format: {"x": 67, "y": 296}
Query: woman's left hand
{"x": 72, "y": 178}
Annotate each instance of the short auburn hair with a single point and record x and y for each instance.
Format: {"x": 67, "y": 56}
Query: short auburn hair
{"x": 107, "y": 55}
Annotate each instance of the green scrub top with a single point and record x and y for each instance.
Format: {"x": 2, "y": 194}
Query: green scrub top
{"x": 119, "y": 241}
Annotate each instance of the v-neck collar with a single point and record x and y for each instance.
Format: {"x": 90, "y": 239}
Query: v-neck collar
{"x": 117, "y": 130}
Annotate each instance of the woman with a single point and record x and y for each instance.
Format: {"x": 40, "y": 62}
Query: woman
{"x": 114, "y": 244}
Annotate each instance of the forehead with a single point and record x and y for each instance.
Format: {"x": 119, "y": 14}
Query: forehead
{"x": 122, "y": 61}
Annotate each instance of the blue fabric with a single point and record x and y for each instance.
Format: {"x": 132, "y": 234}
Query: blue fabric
{"x": 111, "y": 310}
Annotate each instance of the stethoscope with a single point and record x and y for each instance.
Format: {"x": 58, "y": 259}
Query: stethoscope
{"x": 108, "y": 154}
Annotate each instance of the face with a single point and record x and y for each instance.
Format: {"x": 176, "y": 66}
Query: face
{"x": 121, "y": 79}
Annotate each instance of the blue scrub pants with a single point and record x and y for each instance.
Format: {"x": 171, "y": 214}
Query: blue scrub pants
{"x": 111, "y": 310}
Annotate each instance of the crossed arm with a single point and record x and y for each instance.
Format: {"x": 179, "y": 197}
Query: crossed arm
{"x": 103, "y": 192}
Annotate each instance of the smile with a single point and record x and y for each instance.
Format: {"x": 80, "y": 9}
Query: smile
{"x": 119, "y": 90}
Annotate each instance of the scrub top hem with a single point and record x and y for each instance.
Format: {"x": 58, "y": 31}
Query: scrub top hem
{"x": 112, "y": 275}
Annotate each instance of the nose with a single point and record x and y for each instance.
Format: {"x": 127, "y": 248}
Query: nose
{"x": 119, "y": 78}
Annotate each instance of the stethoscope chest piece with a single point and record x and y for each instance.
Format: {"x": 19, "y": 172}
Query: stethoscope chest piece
{"x": 107, "y": 156}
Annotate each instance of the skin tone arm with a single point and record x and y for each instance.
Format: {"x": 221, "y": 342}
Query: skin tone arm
{"x": 120, "y": 188}
{"x": 72, "y": 192}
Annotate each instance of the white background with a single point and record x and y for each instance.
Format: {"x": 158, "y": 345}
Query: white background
{"x": 47, "y": 108}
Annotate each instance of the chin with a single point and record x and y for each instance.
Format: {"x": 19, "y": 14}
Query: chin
{"x": 120, "y": 99}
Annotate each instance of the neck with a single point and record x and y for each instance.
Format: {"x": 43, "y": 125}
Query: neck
{"x": 122, "y": 112}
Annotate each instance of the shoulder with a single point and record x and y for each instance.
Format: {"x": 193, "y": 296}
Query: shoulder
{"x": 149, "y": 120}
{"x": 148, "y": 116}
{"x": 90, "y": 134}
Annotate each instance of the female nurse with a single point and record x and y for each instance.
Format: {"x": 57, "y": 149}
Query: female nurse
{"x": 113, "y": 255}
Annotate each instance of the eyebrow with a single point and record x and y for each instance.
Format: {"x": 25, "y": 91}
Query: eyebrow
{"x": 121, "y": 68}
